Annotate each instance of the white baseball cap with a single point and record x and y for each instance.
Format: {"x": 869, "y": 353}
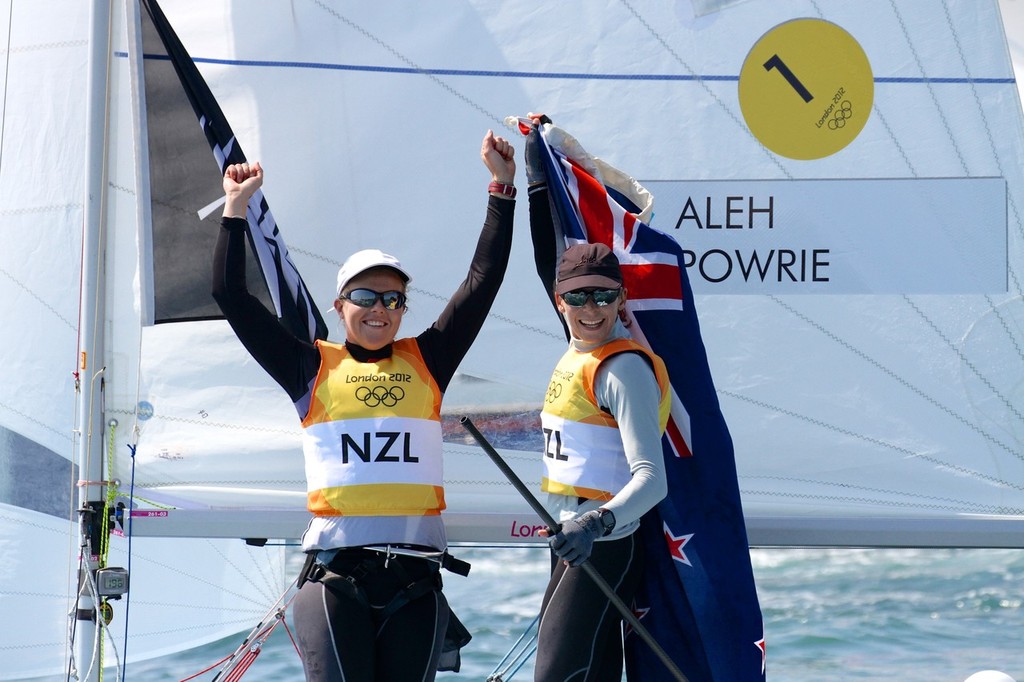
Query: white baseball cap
{"x": 361, "y": 261}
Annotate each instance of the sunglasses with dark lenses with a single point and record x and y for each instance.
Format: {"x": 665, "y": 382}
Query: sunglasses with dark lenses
{"x": 601, "y": 297}
{"x": 366, "y": 298}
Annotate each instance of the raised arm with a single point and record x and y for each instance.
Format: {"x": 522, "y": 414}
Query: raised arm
{"x": 290, "y": 361}
{"x": 543, "y": 232}
{"x": 448, "y": 340}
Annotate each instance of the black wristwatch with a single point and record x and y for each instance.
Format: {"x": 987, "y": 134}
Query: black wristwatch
{"x": 607, "y": 521}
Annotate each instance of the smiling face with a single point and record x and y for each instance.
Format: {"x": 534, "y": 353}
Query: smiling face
{"x": 376, "y": 326}
{"x": 591, "y": 323}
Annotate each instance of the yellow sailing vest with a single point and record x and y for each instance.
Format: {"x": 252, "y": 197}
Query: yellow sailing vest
{"x": 372, "y": 436}
{"x": 583, "y": 452}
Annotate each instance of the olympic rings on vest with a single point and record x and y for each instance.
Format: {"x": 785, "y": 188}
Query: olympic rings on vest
{"x": 380, "y": 395}
{"x": 554, "y": 391}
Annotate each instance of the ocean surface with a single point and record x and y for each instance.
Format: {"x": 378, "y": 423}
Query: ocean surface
{"x": 830, "y": 614}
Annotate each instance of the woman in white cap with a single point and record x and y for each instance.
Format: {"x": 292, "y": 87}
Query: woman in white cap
{"x": 370, "y": 605}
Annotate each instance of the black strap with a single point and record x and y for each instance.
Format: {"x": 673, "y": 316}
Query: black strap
{"x": 456, "y": 566}
{"x": 308, "y": 568}
{"x": 412, "y": 591}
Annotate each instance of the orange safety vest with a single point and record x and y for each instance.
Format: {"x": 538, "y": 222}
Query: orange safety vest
{"x": 372, "y": 436}
{"x": 583, "y": 451}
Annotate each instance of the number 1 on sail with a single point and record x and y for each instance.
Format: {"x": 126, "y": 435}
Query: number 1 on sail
{"x": 776, "y": 63}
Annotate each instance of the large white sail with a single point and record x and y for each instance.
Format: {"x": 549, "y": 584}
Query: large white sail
{"x": 184, "y": 592}
{"x": 881, "y": 407}
{"x": 873, "y": 403}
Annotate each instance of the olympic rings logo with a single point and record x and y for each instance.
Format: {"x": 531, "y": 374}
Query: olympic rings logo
{"x": 554, "y": 391}
{"x": 380, "y": 395}
{"x": 844, "y": 112}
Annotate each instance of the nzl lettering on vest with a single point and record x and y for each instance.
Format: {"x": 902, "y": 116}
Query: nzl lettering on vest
{"x": 379, "y": 447}
{"x": 885, "y": 236}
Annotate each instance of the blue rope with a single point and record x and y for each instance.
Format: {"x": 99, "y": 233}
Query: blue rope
{"x": 128, "y": 596}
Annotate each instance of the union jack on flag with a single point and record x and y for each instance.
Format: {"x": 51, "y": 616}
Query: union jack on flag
{"x": 698, "y": 598}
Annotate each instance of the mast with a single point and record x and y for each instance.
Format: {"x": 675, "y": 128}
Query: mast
{"x": 91, "y": 328}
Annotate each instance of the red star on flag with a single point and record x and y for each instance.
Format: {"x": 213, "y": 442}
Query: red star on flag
{"x": 676, "y": 544}
{"x": 639, "y": 613}
{"x": 764, "y": 651}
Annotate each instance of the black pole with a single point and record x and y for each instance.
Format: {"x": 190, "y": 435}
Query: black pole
{"x": 588, "y": 568}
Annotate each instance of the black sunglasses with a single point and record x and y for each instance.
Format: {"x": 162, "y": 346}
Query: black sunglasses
{"x": 366, "y": 298}
{"x": 601, "y": 297}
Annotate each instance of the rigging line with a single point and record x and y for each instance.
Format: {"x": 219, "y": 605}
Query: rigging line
{"x": 54, "y": 431}
{"x": 144, "y": 218}
{"x": 69, "y": 644}
{"x": 242, "y": 597}
{"x": 892, "y": 138}
{"x": 543, "y": 75}
{"x": 452, "y": 91}
{"x": 128, "y": 529}
{"x": 70, "y": 324}
{"x": 6, "y": 81}
{"x": 936, "y": 502}
{"x": 913, "y": 170}
{"x": 967, "y": 361}
{"x": 774, "y": 159}
{"x": 995, "y": 155}
{"x": 157, "y": 485}
{"x": 267, "y": 571}
{"x": 870, "y": 439}
{"x": 893, "y": 375}
{"x": 249, "y": 427}
{"x": 928, "y": 84}
{"x": 1007, "y": 511}
{"x": 69, "y": 640}
{"x": 991, "y": 140}
{"x": 263, "y": 591}
{"x": 1010, "y": 200}
{"x": 258, "y": 635}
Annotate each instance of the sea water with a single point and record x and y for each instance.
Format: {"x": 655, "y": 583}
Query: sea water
{"x": 911, "y": 615}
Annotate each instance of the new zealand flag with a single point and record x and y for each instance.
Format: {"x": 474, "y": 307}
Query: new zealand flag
{"x": 698, "y": 597}
{"x": 177, "y": 96}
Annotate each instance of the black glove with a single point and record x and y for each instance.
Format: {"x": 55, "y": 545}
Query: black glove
{"x": 576, "y": 539}
{"x": 534, "y": 162}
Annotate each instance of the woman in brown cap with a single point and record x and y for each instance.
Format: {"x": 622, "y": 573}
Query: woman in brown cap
{"x": 604, "y": 413}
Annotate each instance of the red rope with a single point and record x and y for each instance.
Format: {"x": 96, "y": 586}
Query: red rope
{"x": 292, "y": 637}
{"x": 243, "y": 665}
{"x": 255, "y": 646}
{"x": 192, "y": 677}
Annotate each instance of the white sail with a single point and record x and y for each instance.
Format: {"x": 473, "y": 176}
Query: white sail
{"x": 890, "y": 393}
{"x": 885, "y": 409}
{"x": 183, "y": 593}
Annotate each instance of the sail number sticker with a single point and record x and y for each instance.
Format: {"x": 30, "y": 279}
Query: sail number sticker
{"x": 806, "y": 89}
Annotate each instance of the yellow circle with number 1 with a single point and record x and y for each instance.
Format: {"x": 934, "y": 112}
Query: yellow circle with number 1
{"x": 806, "y": 89}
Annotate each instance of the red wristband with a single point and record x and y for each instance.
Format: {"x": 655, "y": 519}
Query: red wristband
{"x": 501, "y": 188}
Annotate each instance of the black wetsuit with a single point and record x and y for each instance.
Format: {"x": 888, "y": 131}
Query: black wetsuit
{"x": 580, "y": 637}
{"x": 340, "y": 629}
